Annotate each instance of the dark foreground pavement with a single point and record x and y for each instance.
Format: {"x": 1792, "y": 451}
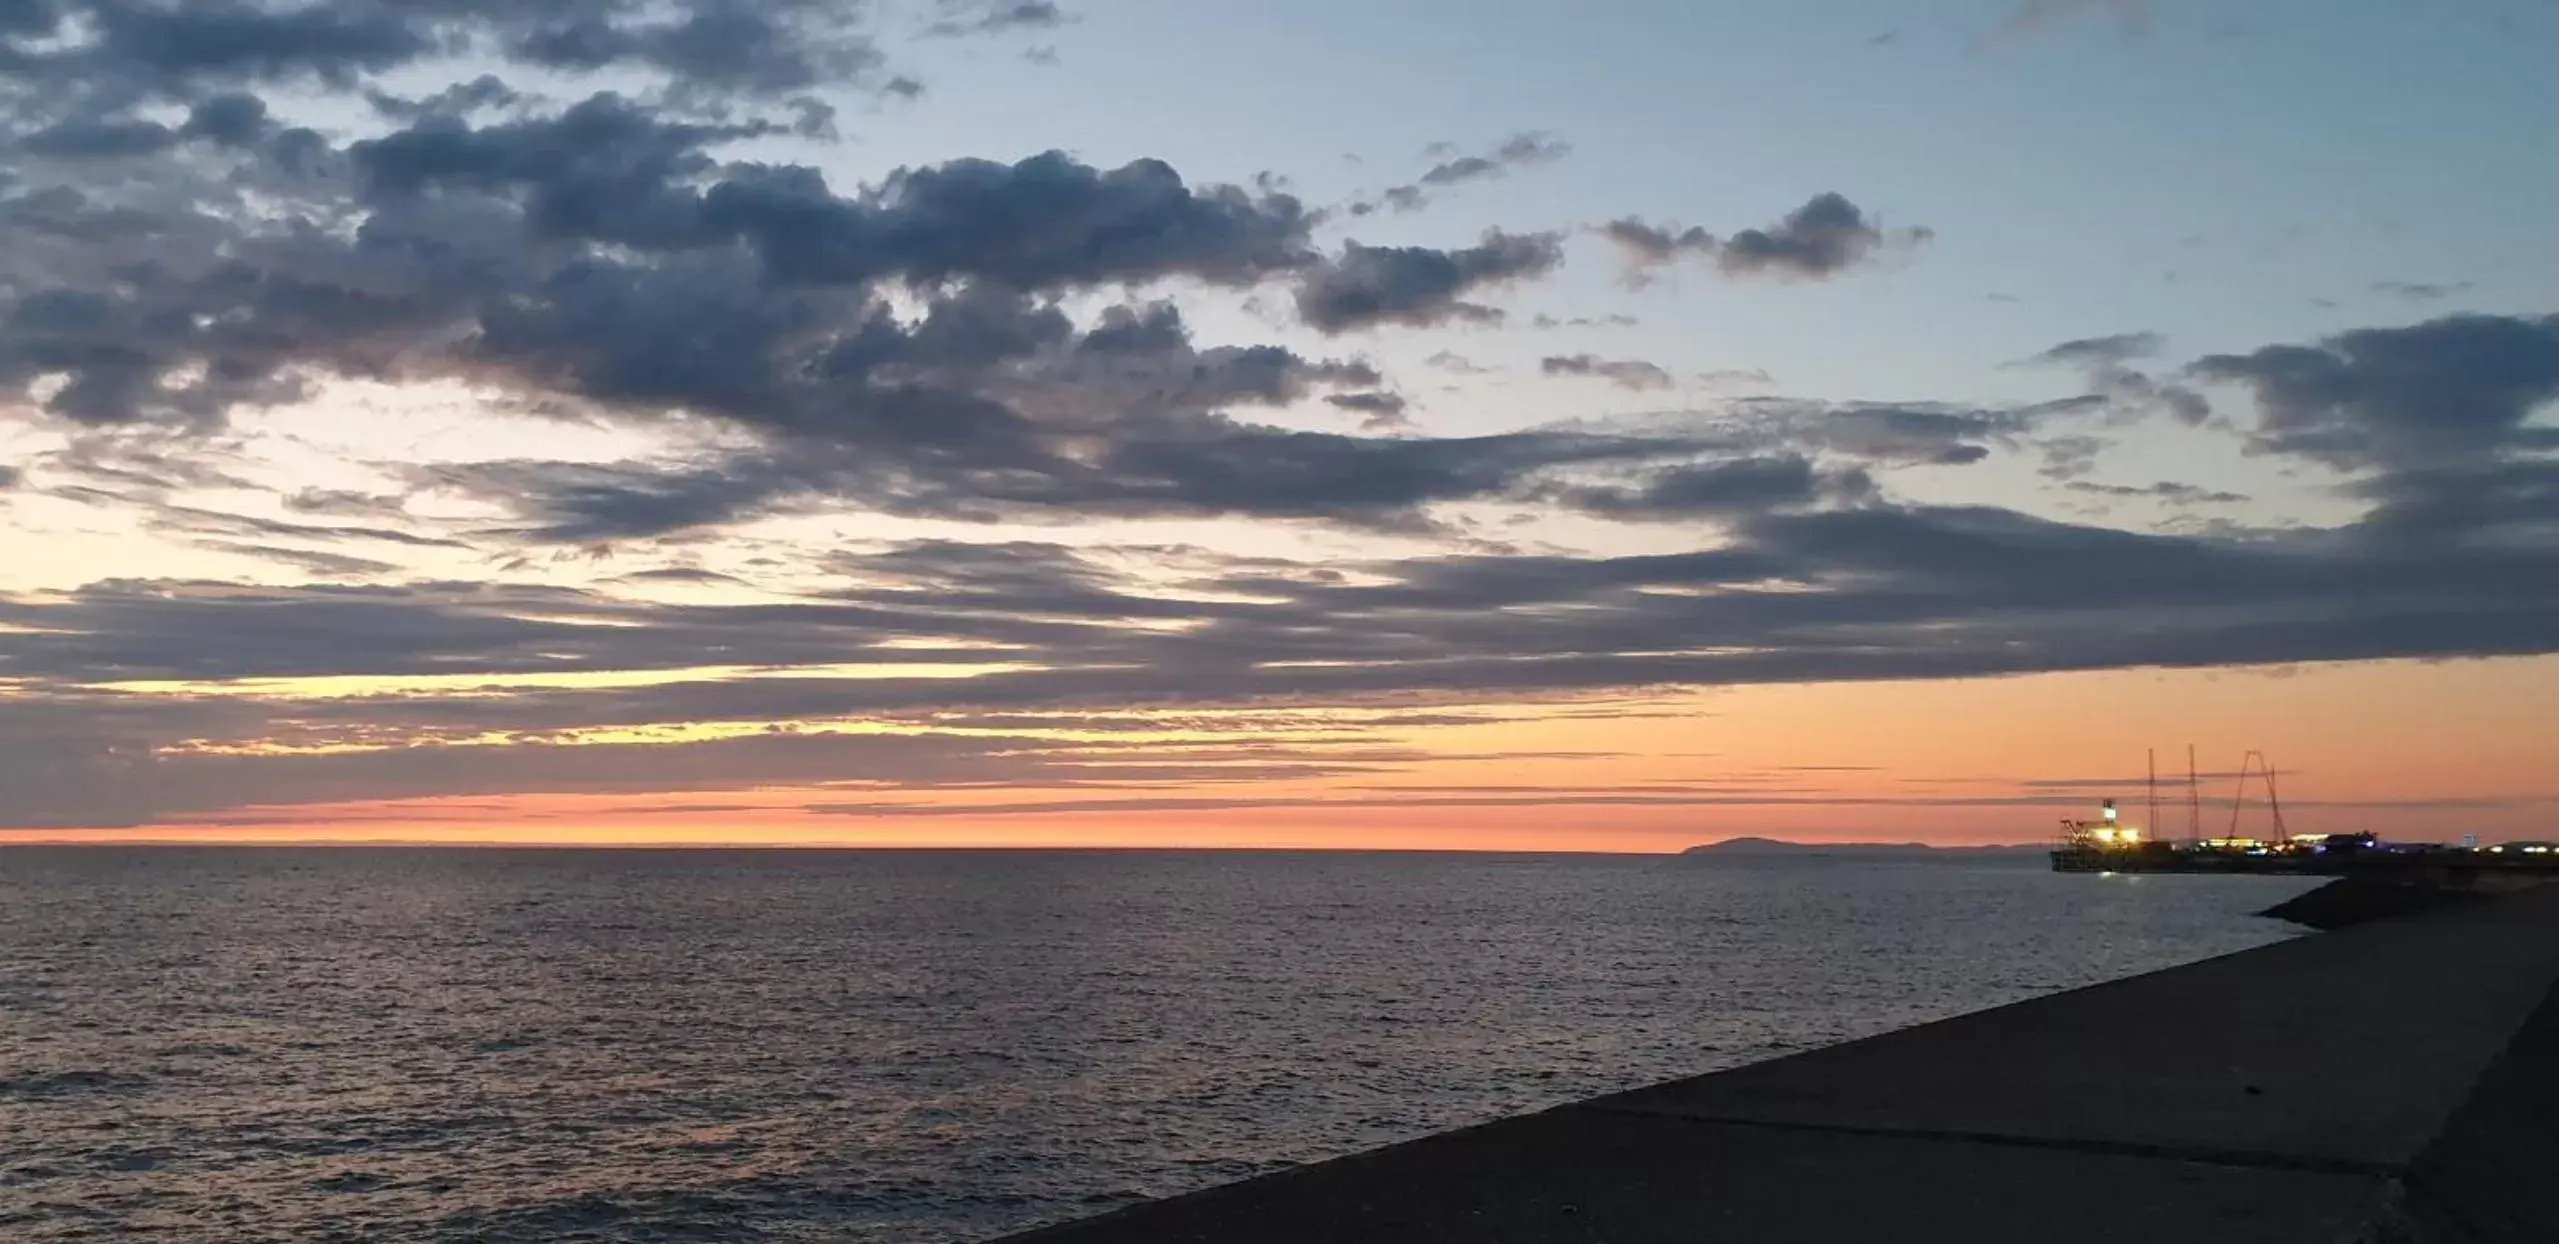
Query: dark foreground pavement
{"x": 2393, "y": 1083}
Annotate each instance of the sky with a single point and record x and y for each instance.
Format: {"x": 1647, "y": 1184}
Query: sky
{"x": 1609, "y": 426}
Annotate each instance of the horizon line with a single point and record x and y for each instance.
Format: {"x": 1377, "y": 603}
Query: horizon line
{"x": 483, "y": 845}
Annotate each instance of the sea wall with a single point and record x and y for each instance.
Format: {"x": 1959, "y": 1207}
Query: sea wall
{"x": 2391, "y": 1083}
{"x": 2366, "y": 895}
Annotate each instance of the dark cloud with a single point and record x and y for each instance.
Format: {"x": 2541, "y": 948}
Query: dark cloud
{"x": 606, "y": 170}
{"x": 345, "y": 503}
{"x": 985, "y": 17}
{"x": 1158, "y": 462}
{"x": 991, "y": 404}
{"x": 458, "y": 100}
{"x": 1370, "y": 286}
{"x": 1624, "y": 373}
{"x": 1243, "y": 470}
{"x": 713, "y": 45}
{"x": 2451, "y": 391}
{"x": 99, "y": 138}
{"x": 1828, "y": 235}
{"x": 315, "y": 564}
{"x": 1400, "y": 198}
{"x": 2442, "y": 425}
{"x": 2070, "y": 456}
{"x": 1884, "y": 434}
{"x": 1719, "y": 489}
{"x": 1378, "y": 410}
{"x": 1737, "y": 377}
{"x": 243, "y": 42}
{"x": 1194, "y": 468}
{"x": 1613, "y": 320}
{"x": 1649, "y": 245}
{"x": 1455, "y": 171}
{"x": 1824, "y": 237}
{"x": 234, "y": 120}
{"x": 1042, "y": 222}
{"x": 2102, "y": 351}
{"x": 1522, "y": 150}
{"x": 192, "y": 520}
{"x": 183, "y": 51}
{"x": 2509, "y": 503}
{"x": 144, "y": 467}
{"x": 2166, "y": 491}
{"x": 616, "y": 171}
{"x": 139, "y": 481}
{"x": 1370, "y": 403}
{"x": 681, "y": 574}
{"x": 10, "y": 477}
{"x": 2107, "y": 364}
{"x": 1519, "y": 151}
{"x": 583, "y": 503}
{"x": 2420, "y": 291}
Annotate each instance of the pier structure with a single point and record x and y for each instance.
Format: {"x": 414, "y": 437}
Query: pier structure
{"x": 2107, "y": 844}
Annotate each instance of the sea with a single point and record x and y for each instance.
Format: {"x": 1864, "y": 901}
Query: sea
{"x": 358, "y": 1044}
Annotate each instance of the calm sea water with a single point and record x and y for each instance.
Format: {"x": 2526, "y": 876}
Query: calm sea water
{"x": 397, "y": 1045}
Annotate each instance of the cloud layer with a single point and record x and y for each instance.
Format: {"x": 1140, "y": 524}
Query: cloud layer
{"x": 634, "y": 220}
{"x": 1796, "y": 593}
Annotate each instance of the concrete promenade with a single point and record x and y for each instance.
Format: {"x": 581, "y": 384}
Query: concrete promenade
{"x": 2396, "y": 1083}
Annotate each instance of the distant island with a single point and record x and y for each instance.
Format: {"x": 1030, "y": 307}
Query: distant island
{"x": 1779, "y": 846}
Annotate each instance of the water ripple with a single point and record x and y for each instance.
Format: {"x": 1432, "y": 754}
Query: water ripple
{"x": 430, "y": 1046}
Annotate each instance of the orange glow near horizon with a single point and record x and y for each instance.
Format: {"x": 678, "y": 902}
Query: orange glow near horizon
{"x": 2421, "y": 751}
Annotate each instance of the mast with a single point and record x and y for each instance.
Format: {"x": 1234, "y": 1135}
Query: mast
{"x": 2239, "y": 793}
{"x": 2239, "y": 797}
{"x": 2194, "y": 800}
{"x": 2153, "y": 827}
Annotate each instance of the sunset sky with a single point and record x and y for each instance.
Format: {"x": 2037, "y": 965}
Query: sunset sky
{"x": 1613, "y": 425}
